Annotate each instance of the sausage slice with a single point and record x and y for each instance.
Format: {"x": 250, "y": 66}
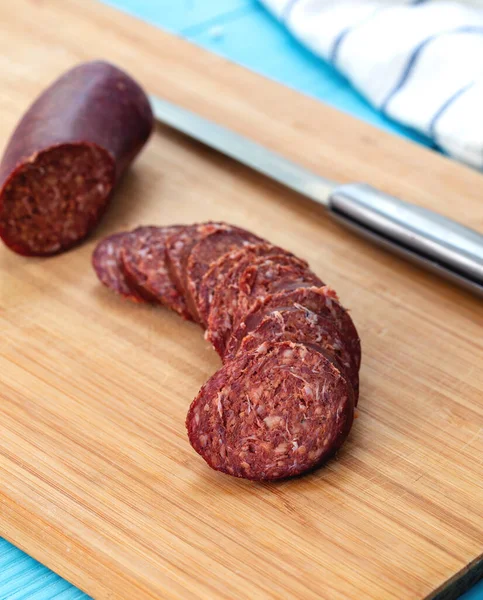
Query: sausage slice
{"x": 322, "y": 301}
{"x": 106, "y": 261}
{"x": 215, "y": 275}
{"x": 207, "y": 251}
{"x": 143, "y": 260}
{"x": 300, "y": 325}
{"x": 246, "y": 284}
{"x": 272, "y": 414}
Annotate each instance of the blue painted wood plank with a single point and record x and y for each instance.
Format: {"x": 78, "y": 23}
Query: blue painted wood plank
{"x": 23, "y": 578}
{"x": 476, "y": 593}
{"x": 274, "y": 53}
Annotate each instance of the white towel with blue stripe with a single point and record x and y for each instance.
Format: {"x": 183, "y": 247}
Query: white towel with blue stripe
{"x": 419, "y": 62}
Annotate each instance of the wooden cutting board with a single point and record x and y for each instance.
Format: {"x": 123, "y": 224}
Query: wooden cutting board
{"x": 97, "y": 478}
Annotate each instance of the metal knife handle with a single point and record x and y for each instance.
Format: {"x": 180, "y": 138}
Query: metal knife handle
{"x": 423, "y": 236}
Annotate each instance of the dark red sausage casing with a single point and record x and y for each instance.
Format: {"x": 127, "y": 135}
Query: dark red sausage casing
{"x": 65, "y": 156}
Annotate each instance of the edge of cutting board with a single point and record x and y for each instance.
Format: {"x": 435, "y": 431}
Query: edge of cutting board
{"x": 344, "y": 150}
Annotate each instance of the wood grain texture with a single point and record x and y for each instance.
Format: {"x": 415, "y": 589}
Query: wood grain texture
{"x": 97, "y": 478}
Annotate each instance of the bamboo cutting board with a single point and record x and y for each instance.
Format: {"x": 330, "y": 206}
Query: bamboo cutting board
{"x": 97, "y": 479}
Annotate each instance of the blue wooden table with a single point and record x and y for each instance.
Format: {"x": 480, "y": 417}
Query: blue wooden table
{"x": 222, "y": 26}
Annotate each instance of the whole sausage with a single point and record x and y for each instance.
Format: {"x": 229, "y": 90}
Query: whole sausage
{"x": 65, "y": 156}
{"x": 272, "y": 414}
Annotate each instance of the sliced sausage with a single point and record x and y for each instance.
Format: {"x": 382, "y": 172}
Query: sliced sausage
{"x": 106, "y": 261}
{"x": 269, "y": 275}
{"x": 143, "y": 260}
{"x": 215, "y": 275}
{"x": 322, "y": 301}
{"x": 301, "y": 325}
{"x": 65, "y": 156}
{"x": 178, "y": 249}
{"x": 272, "y": 414}
{"x": 248, "y": 283}
{"x": 207, "y": 251}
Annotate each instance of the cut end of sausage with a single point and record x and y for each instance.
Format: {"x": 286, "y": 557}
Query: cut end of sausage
{"x": 52, "y": 201}
{"x": 272, "y": 414}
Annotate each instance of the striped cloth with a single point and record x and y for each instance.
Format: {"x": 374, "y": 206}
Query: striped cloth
{"x": 419, "y": 62}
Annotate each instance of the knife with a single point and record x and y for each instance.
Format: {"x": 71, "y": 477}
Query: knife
{"x": 418, "y": 234}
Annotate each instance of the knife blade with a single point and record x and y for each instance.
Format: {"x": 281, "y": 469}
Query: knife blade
{"x": 425, "y": 237}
